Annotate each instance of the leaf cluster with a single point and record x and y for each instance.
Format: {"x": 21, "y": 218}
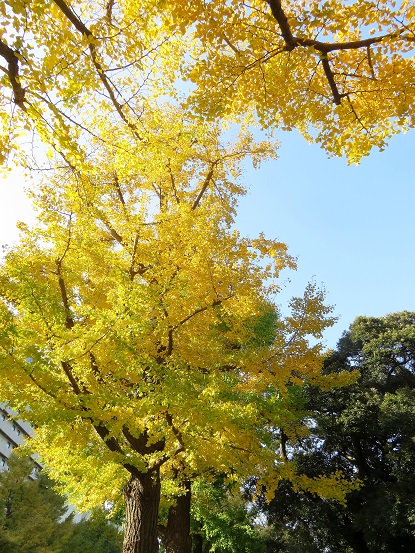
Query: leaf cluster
{"x": 340, "y": 73}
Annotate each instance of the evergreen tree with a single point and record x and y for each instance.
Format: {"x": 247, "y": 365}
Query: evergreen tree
{"x": 367, "y": 431}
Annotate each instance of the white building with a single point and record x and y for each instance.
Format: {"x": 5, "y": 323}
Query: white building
{"x": 13, "y": 432}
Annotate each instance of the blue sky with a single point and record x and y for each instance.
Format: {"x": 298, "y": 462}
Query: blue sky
{"x": 351, "y": 227}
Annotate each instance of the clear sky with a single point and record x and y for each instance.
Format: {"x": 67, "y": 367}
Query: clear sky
{"x": 14, "y": 206}
{"x": 351, "y": 227}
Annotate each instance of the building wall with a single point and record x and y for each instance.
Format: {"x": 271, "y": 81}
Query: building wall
{"x": 13, "y": 432}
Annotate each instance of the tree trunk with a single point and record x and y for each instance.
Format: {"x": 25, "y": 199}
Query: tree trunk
{"x": 177, "y": 532}
{"x": 197, "y": 543}
{"x": 355, "y": 538}
{"x": 142, "y": 499}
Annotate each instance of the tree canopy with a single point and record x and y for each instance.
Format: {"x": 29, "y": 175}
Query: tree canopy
{"x": 341, "y": 73}
{"x": 127, "y": 310}
{"x": 134, "y": 333}
{"x": 130, "y": 313}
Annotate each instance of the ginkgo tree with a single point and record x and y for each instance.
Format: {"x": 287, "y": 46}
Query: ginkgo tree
{"x": 340, "y": 72}
{"x": 128, "y": 323}
{"x": 129, "y": 312}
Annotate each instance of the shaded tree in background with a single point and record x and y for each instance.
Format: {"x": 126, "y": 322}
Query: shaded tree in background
{"x": 222, "y": 521}
{"x": 30, "y": 511}
{"x": 33, "y": 517}
{"x": 367, "y": 430}
{"x": 95, "y": 534}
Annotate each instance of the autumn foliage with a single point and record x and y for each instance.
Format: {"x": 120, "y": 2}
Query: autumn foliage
{"x": 340, "y": 72}
{"x": 139, "y": 332}
{"x": 131, "y": 314}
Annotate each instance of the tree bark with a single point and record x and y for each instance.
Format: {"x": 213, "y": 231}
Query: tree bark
{"x": 142, "y": 499}
{"x": 176, "y": 535}
{"x": 197, "y": 543}
{"x": 355, "y": 538}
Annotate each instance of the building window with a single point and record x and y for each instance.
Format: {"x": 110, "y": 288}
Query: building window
{"x": 3, "y": 417}
{"x": 9, "y": 445}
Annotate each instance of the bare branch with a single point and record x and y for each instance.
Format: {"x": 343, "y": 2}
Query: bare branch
{"x": 104, "y": 434}
{"x": 200, "y": 310}
{"x": 118, "y": 189}
{"x": 117, "y": 237}
{"x": 229, "y": 43}
{"x": 95, "y": 368}
{"x": 69, "y": 322}
{"x": 47, "y": 392}
{"x": 140, "y": 444}
{"x": 352, "y": 45}
{"x": 283, "y": 445}
{"x": 165, "y": 458}
{"x": 173, "y": 182}
{"x": 108, "y": 10}
{"x": 370, "y": 63}
{"x": 141, "y": 268}
{"x": 170, "y": 342}
{"x": 356, "y": 115}
{"x": 178, "y": 435}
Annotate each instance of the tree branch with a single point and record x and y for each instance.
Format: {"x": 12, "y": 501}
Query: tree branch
{"x": 118, "y": 190}
{"x": 83, "y": 29}
{"x": 95, "y": 368}
{"x": 282, "y": 21}
{"x": 178, "y": 435}
{"x": 67, "y": 369}
{"x": 324, "y": 48}
{"x": 173, "y": 182}
{"x": 205, "y": 185}
{"x": 330, "y": 78}
{"x": 352, "y": 45}
{"x": 69, "y": 322}
{"x": 140, "y": 444}
{"x": 48, "y": 392}
{"x": 13, "y": 73}
{"x": 370, "y": 63}
{"x": 141, "y": 268}
{"x": 104, "y": 433}
{"x": 108, "y": 10}
{"x": 283, "y": 445}
{"x": 200, "y": 310}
